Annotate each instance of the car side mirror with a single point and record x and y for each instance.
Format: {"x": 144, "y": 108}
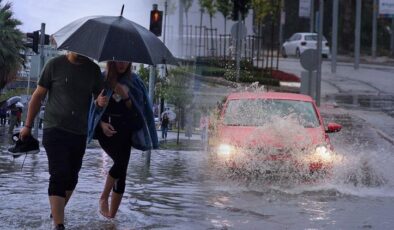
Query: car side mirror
{"x": 333, "y": 127}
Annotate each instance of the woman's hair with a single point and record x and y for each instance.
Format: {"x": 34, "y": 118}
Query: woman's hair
{"x": 111, "y": 70}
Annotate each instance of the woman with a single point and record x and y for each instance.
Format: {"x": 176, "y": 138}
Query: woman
{"x": 164, "y": 126}
{"x": 119, "y": 120}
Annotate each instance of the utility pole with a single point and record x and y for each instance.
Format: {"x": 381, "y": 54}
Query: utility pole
{"x": 374, "y": 27}
{"x": 357, "y": 35}
{"x": 319, "y": 51}
{"x": 334, "y": 39}
{"x": 312, "y": 17}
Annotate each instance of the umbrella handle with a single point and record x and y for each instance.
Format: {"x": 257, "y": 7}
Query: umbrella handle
{"x": 121, "y": 12}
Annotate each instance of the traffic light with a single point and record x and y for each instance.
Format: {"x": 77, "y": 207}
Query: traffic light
{"x": 35, "y": 40}
{"x": 156, "y": 19}
{"x": 35, "y": 36}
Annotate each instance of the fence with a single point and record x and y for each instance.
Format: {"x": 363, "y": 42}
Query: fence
{"x": 206, "y": 42}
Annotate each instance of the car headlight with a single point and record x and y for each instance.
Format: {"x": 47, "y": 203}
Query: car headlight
{"x": 323, "y": 153}
{"x": 225, "y": 149}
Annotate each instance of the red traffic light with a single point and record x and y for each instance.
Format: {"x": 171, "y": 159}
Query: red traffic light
{"x": 156, "y": 19}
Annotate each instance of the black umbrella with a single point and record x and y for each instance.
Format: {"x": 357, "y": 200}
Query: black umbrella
{"x": 106, "y": 38}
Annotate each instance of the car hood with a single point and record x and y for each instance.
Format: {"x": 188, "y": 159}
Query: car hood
{"x": 242, "y": 136}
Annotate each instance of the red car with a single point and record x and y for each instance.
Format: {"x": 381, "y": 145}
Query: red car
{"x": 271, "y": 134}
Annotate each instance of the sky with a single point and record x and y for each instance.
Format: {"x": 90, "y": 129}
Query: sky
{"x": 58, "y": 13}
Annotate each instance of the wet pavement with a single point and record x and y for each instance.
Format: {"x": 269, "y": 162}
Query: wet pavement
{"x": 182, "y": 190}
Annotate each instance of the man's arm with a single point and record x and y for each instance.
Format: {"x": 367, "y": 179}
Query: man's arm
{"x": 34, "y": 107}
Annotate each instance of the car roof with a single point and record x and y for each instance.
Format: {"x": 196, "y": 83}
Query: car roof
{"x": 305, "y": 33}
{"x": 269, "y": 95}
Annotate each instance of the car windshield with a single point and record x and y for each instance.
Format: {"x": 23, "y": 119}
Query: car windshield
{"x": 313, "y": 38}
{"x": 259, "y": 112}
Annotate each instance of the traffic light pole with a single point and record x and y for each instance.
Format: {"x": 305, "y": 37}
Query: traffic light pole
{"x": 357, "y": 35}
{"x": 42, "y": 56}
{"x": 334, "y": 39}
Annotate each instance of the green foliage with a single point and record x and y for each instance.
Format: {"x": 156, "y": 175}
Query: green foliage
{"x": 10, "y": 45}
{"x": 11, "y": 93}
{"x": 144, "y": 74}
{"x": 224, "y": 7}
{"x": 210, "y": 6}
{"x": 249, "y": 75}
{"x": 176, "y": 89}
{"x": 264, "y": 8}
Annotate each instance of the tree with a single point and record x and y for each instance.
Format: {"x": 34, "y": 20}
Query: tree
{"x": 262, "y": 8}
{"x": 10, "y": 45}
{"x": 210, "y": 6}
{"x": 187, "y": 4}
{"x": 200, "y": 2}
{"x": 177, "y": 91}
{"x": 224, "y": 7}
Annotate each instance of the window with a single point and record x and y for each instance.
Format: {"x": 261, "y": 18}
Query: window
{"x": 259, "y": 112}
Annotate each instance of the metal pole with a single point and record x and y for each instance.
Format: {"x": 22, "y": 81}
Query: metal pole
{"x": 374, "y": 27}
{"x": 152, "y": 80}
{"x": 238, "y": 48}
{"x": 165, "y": 21}
{"x": 334, "y": 38}
{"x": 357, "y": 33}
{"x": 281, "y": 23}
{"x": 181, "y": 42}
{"x": 392, "y": 37}
{"x": 319, "y": 47}
{"x": 312, "y": 17}
{"x": 41, "y": 65}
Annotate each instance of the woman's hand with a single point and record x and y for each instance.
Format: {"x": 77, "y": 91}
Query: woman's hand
{"x": 108, "y": 129}
{"x": 122, "y": 90}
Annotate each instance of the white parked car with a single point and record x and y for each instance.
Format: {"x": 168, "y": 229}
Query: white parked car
{"x": 300, "y": 42}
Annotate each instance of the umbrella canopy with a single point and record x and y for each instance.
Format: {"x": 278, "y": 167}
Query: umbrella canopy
{"x": 13, "y": 100}
{"x": 19, "y": 105}
{"x": 107, "y": 38}
{"x": 170, "y": 114}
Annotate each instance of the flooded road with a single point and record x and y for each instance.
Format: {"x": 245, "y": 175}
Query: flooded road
{"x": 181, "y": 190}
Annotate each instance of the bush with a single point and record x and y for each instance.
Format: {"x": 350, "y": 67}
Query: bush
{"x": 283, "y": 76}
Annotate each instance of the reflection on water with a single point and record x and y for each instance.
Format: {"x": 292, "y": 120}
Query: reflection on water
{"x": 180, "y": 190}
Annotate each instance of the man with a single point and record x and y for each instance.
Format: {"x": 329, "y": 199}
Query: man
{"x": 70, "y": 81}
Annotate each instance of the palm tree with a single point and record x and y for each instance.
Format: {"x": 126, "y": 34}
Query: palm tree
{"x": 10, "y": 45}
{"x": 186, "y": 5}
{"x": 210, "y": 6}
{"x": 225, "y": 7}
{"x": 200, "y": 2}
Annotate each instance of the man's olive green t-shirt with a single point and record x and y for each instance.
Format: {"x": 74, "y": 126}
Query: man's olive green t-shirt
{"x": 70, "y": 91}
